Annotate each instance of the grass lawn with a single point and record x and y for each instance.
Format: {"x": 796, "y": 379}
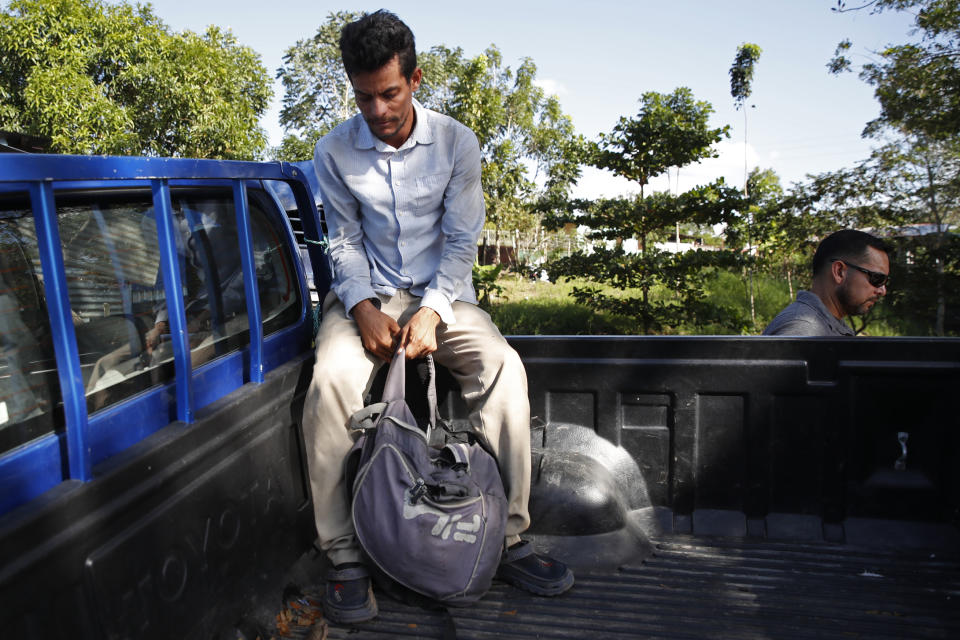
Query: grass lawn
{"x": 528, "y": 307}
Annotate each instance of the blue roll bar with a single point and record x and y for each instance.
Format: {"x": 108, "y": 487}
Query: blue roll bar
{"x": 61, "y": 324}
{"x": 250, "y": 285}
{"x": 41, "y": 174}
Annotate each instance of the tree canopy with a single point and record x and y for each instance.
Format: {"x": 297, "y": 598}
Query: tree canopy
{"x": 917, "y": 83}
{"x": 317, "y": 95}
{"x": 529, "y": 146}
{"x": 911, "y": 183}
{"x": 113, "y": 79}
{"x": 741, "y": 72}
{"x": 669, "y": 130}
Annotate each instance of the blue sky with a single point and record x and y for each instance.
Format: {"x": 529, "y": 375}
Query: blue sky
{"x": 599, "y": 57}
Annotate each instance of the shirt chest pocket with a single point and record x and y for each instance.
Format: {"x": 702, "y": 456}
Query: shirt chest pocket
{"x": 429, "y": 192}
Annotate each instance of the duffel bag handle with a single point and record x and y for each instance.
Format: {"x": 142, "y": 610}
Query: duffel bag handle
{"x": 366, "y": 418}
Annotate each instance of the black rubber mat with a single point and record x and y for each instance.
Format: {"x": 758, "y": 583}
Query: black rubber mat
{"x": 713, "y": 588}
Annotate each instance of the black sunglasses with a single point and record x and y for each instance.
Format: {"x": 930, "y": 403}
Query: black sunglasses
{"x": 875, "y": 278}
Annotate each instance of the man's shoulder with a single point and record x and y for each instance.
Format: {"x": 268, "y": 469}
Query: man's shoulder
{"x": 795, "y": 325}
{"x": 803, "y": 318}
{"x": 445, "y": 126}
{"x": 344, "y": 133}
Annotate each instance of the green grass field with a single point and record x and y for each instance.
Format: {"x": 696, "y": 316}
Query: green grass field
{"x": 527, "y": 307}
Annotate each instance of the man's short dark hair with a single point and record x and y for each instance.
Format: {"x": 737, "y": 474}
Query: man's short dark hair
{"x": 372, "y": 41}
{"x": 848, "y": 244}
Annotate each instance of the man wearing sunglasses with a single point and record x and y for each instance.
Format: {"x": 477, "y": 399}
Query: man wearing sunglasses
{"x": 850, "y": 274}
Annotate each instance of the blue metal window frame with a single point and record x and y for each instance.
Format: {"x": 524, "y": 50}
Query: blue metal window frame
{"x": 35, "y": 467}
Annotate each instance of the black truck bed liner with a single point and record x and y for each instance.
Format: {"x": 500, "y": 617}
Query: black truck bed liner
{"x": 701, "y": 587}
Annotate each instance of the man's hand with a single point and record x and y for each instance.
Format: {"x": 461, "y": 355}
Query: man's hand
{"x": 419, "y": 335}
{"x": 378, "y": 331}
{"x": 152, "y": 337}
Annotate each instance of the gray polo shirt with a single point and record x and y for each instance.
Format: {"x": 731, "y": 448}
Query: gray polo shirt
{"x": 807, "y": 317}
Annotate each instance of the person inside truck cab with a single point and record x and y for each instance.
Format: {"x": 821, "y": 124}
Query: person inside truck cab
{"x": 400, "y": 186}
{"x": 214, "y": 296}
{"x": 850, "y": 274}
{"x": 206, "y": 248}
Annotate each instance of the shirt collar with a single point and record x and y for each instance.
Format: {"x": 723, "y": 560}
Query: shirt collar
{"x": 813, "y": 300}
{"x": 422, "y": 132}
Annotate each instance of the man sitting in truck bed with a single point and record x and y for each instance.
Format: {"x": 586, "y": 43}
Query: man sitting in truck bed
{"x": 401, "y": 191}
{"x": 850, "y": 274}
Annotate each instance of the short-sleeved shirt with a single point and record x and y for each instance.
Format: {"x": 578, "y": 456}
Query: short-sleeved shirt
{"x": 808, "y": 316}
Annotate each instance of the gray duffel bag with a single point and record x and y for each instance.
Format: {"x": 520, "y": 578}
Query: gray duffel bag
{"x": 431, "y": 519}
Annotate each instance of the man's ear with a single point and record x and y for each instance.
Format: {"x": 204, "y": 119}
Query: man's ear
{"x": 416, "y": 78}
{"x": 838, "y": 271}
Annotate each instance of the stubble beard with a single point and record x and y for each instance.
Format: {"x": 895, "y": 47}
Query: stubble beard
{"x": 850, "y": 306}
{"x": 396, "y": 125}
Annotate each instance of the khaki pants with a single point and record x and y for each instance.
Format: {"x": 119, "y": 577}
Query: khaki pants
{"x": 494, "y": 387}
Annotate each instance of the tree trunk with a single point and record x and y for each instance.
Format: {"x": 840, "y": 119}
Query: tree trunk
{"x": 746, "y": 196}
{"x": 941, "y": 301}
{"x": 938, "y": 326}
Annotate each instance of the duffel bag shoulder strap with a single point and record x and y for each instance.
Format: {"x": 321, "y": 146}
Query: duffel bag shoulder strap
{"x": 394, "y": 389}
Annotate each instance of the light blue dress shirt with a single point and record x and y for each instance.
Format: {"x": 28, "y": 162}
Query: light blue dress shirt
{"x": 406, "y": 218}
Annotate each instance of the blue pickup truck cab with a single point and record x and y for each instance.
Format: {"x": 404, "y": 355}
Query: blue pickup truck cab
{"x": 156, "y": 320}
{"x": 156, "y": 336}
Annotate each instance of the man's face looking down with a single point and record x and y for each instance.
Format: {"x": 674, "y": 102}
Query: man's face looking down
{"x": 385, "y": 98}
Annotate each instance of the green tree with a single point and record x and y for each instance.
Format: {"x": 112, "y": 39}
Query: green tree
{"x": 529, "y": 147}
{"x": 679, "y": 277}
{"x": 669, "y": 130}
{"x": 741, "y": 86}
{"x": 921, "y": 182}
{"x": 783, "y": 226}
{"x": 918, "y": 83}
{"x": 914, "y": 177}
{"x": 113, "y": 79}
{"x": 908, "y": 191}
{"x": 917, "y": 181}
{"x": 317, "y": 95}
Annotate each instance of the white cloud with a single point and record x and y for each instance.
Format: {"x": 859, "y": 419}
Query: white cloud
{"x": 551, "y": 87}
{"x": 595, "y": 183}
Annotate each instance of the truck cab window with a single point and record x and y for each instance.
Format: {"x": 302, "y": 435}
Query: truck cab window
{"x": 29, "y": 388}
{"x": 112, "y": 257}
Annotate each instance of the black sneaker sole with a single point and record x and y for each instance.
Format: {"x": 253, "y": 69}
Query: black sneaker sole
{"x": 537, "y": 587}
